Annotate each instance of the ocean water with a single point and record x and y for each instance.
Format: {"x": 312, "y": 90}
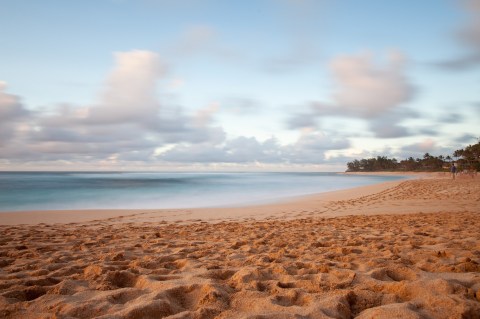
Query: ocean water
{"x": 124, "y": 190}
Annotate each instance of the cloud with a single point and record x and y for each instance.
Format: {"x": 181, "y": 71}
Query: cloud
{"x": 429, "y": 130}
{"x": 467, "y": 139}
{"x": 205, "y": 116}
{"x": 427, "y": 145}
{"x": 12, "y": 114}
{"x": 11, "y": 107}
{"x": 130, "y": 90}
{"x": 316, "y": 141}
{"x": 389, "y": 125}
{"x": 241, "y": 105}
{"x": 301, "y": 120}
{"x": 310, "y": 148}
{"x": 129, "y": 101}
{"x": 388, "y": 129}
{"x": 126, "y": 121}
{"x": 238, "y": 150}
{"x": 245, "y": 149}
{"x": 140, "y": 126}
{"x": 469, "y": 37}
{"x": 451, "y": 118}
{"x": 462, "y": 63}
{"x": 365, "y": 89}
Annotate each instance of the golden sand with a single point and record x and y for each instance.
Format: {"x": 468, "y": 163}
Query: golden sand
{"x": 407, "y": 249}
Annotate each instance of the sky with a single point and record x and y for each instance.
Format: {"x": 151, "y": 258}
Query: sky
{"x": 235, "y": 85}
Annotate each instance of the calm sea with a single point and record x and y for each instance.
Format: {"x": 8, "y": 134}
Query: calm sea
{"x": 74, "y": 190}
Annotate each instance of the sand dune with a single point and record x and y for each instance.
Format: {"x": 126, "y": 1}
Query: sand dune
{"x": 343, "y": 257}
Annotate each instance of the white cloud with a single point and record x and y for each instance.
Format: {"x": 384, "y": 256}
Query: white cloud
{"x": 130, "y": 90}
{"x": 205, "y": 116}
{"x": 301, "y": 120}
{"x": 313, "y": 140}
{"x": 126, "y": 122}
{"x": 313, "y": 146}
{"x": 238, "y": 150}
{"x": 249, "y": 150}
{"x": 10, "y": 105}
{"x": 310, "y": 148}
{"x": 12, "y": 115}
{"x": 366, "y": 89}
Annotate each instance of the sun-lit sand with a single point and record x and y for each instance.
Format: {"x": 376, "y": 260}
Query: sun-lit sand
{"x": 407, "y": 249}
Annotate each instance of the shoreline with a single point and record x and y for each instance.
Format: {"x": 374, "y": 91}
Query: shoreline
{"x": 214, "y": 214}
{"x": 204, "y": 213}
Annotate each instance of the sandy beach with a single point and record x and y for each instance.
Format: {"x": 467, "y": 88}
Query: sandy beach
{"x": 404, "y": 249}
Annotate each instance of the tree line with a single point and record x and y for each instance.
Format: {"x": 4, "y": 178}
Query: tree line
{"x": 466, "y": 158}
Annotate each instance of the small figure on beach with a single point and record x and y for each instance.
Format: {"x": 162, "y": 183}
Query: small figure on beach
{"x": 472, "y": 172}
{"x": 453, "y": 170}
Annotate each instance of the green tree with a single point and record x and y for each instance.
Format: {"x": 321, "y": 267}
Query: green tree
{"x": 469, "y": 156}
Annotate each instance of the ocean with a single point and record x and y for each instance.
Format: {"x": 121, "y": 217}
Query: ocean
{"x": 144, "y": 190}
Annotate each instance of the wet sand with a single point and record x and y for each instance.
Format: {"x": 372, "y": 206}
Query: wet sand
{"x": 408, "y": 249}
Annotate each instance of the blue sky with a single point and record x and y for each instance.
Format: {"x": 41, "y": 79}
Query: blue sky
{"x": 235, "y": 85}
